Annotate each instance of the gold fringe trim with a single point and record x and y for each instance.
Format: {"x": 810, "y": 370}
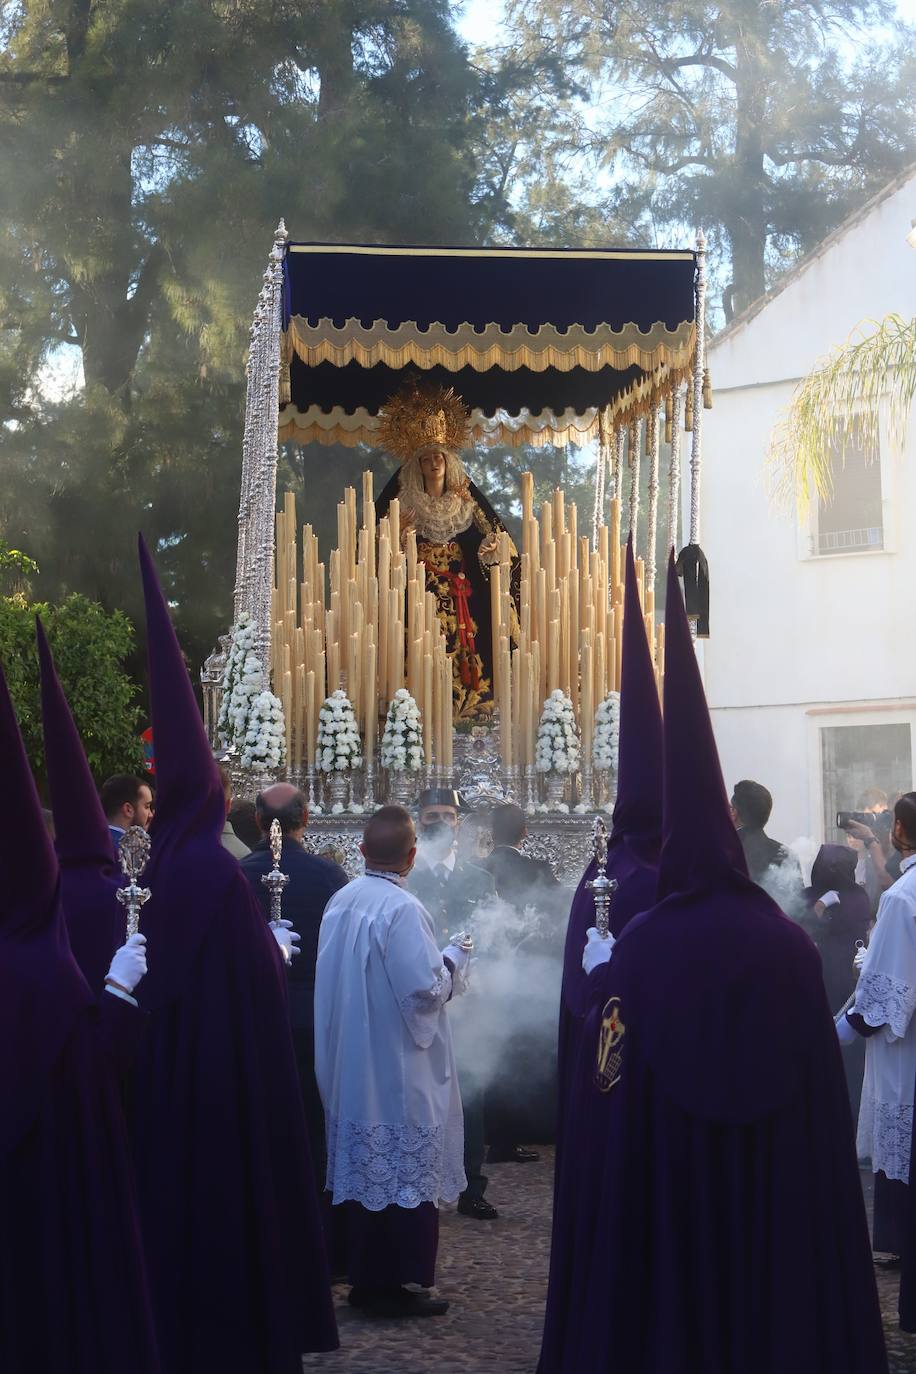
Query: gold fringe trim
{"x": 538, "y": 349}
{"x": 359, "y": 427}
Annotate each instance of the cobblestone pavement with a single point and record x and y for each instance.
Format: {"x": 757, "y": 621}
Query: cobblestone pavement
{"x": 495, "y": 1276}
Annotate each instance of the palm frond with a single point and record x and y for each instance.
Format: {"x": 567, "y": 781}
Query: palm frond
{"x": 838, "y": 405}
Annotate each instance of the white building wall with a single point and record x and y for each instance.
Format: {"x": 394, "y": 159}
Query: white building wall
{"x": 800, "y": 641}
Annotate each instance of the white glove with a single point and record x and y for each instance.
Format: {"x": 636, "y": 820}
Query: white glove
{"x": 286, "y": 938}
{"x": 830, "y": 899}
{"x": 846, "y": 1034}
{"x": 459, "y": 958}
{"x": 859, "y": 958}
{"x": 129, "y": 963}
{"x": 597, "y": 951}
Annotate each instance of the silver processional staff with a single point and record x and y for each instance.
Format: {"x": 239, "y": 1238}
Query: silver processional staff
{"x": 133, "y": 853}
{"x": 601, "y": 886}
{"x": 275, "y": 881}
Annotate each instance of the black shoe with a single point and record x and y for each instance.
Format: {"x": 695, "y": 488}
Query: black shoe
{"x": 889, "y": 1262}
{"x": 478, "y": 1208}
{"x": 515, "y": 1155}
{"x": 397, "y": 1302}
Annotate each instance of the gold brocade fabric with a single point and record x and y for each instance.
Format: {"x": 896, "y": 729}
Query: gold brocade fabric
{"x": 447, "y": 579}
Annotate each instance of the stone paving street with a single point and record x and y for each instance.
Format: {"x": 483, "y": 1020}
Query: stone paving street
{"x": 495, "y": 1275}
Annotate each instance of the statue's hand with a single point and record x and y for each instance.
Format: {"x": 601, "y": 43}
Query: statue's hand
{"x": 488, "y": 553}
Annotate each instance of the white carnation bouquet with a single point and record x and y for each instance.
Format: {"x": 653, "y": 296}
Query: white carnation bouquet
{"x": 606, "y": 740}
{"x": 402, "y": 738}
{"x": 338, "y": 746}
{"x": 557, "y": 749}
{"x": 250, "y": 716}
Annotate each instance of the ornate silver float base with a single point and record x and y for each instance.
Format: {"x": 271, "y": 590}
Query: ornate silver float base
{"x": 564, "y": 841}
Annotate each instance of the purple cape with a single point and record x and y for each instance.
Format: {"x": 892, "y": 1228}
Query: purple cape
{"x": 228, "y": 1203}
{"x": 722, "y": 1226}
{"x": 88, "y": 874}
{"x": 73, "y": 1292}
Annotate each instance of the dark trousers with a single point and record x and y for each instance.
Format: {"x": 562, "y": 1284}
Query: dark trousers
{"x": 472, "y": 1099}
{"x": 304, "y": 1045}
{"x": 387, "y": 1249}
{"x": 890, "y": 1219}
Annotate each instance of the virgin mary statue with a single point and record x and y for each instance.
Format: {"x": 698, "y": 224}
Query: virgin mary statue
{"x": 457, "y": 532}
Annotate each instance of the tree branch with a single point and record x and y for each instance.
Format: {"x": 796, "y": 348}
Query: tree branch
{"x": 700, "y": 59}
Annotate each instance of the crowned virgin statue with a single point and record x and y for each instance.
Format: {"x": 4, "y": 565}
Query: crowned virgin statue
{"x": 457, "y": 532}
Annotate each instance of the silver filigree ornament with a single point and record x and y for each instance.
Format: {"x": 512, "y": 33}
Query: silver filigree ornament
{"x": 275, "y": 881}
{"x": 601, "y": 886}
{"x": 133, "y": 855}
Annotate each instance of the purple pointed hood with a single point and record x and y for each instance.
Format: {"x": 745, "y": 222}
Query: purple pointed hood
{"x": 88, "y": 873}
{"x": 638, "y": 808}
{"x": 189, "y": 871}
{"x": 636, "y": 834}
{"x": 42, "y": 991}
{"x": 721, "y": 986}
{"x": 700, "y": 845}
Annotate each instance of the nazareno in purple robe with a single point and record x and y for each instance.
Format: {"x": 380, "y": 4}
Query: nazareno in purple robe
{"x": 723, "y": 1228}
{"x": 96, "y": 921}
{"x": 227, "y": 1197}
{"x": 632, "y": 862}
{"x": 73, "y": 1293}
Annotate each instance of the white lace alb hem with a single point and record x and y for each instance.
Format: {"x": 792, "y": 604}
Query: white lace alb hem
{"x": 885, "y": 1134}
{"x": 381, "y": 1166}
{"x": 885, "y": 1001}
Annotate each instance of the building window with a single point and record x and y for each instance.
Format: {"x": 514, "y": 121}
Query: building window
{"x": 850, "y": 519}
{"x": 855, "y": 758}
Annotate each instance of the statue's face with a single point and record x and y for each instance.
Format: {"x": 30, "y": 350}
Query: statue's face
{"x": 432, "y": 466}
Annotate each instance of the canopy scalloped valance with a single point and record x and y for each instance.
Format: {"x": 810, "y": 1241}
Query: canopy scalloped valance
{"x": 536, "y": 342}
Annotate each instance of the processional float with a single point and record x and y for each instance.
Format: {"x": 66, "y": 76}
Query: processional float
{"x": 542, "y": 347}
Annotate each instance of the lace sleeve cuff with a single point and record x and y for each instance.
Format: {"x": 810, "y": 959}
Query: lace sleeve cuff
{"x": 421, "y": 1009}
{"x": 885, "y": 1001}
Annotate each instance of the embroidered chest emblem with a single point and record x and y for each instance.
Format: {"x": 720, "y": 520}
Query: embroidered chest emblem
{"x": 610, "y": 1046}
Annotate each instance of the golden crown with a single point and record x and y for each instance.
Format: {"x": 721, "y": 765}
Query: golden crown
{"x": 418, "y": 417}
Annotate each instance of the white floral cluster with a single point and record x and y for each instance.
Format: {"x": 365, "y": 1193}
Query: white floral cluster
{"x": 402, "y": 738}
{"x": 338, "y": 737}
{"x": 557, "y": 749}
{"x": 250, "y": 717}
{"x": 606, "y": 741}
{"x": 264, "y": 741}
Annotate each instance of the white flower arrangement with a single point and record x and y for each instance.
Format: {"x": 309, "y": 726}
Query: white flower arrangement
{"x": 338, "y": 746}
{"x": 606, "y": 741}
{"x": 557, "y": 749}
{"x": 402, "y": 738}
{"x": 250, "y": 716}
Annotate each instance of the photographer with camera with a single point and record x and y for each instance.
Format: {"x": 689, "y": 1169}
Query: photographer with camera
{"x": 868, "y": 831}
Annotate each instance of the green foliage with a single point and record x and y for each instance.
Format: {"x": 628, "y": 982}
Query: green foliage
{"x": 841, "y": 401}
{"x": 146, "y": 153}
{"x": 90, "y": 647}
{"x": 764, "y": 123}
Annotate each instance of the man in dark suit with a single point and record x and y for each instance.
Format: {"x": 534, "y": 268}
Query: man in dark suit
{"x": 769, "y": 863}
{"x": 312, "y": 883}
{"x": 519, "y": 879}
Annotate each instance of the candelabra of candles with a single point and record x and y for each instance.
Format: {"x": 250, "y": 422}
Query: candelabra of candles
{"x": 133, "y": 853}
{"x": 601, "y": 886}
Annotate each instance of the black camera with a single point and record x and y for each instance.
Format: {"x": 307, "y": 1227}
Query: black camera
{"x": 879, "y": 822}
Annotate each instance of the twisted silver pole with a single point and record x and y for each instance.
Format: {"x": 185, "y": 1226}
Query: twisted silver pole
{"x": 696, "y": 447}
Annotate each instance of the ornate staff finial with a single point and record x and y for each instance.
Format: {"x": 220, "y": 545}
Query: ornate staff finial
{"x": 275, "y": 881}
{"x": 133, "y": 853}
{"x": 601, "y": 886}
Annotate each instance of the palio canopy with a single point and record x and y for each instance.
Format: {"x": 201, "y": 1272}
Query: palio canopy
{"x": 537, "y": 342}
